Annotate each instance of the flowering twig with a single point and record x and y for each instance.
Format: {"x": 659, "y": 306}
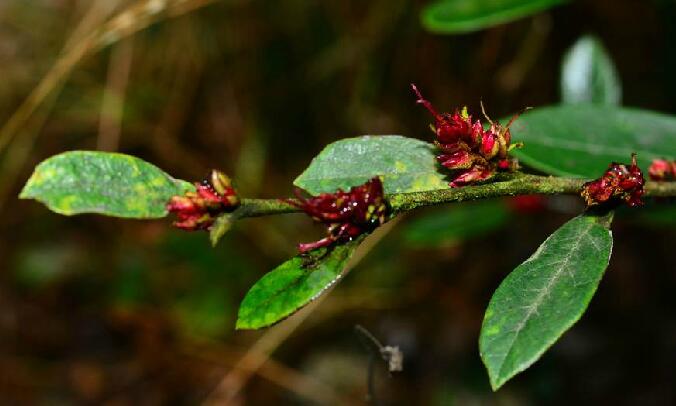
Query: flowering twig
{"x": 511, "y": 185}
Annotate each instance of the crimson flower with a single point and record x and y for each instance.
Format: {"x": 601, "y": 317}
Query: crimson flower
{"x": 198, "y": 210}
{"x": 346, "y": 215}
{"x": 661, "y": 169}
{"x": 472, "y": 153}
{"x": 619, "y": 182}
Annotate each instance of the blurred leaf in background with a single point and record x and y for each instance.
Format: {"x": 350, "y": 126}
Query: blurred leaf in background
{"x": 581, "y": 140}
{"x": 202, "y": 284}
{"x": 442, "y": 226}
{"x": 588, "y": 74}
{"x": 459, "y": 16}
{"x": 44, "y": 264}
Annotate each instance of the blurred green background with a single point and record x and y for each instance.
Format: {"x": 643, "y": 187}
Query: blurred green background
{"x": 105, "y": 311}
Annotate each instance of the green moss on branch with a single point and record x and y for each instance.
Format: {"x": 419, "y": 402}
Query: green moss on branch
{"x": 513, "y": 185}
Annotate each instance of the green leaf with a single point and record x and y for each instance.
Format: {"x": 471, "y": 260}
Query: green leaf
{"x": 105, "y": 183}
{"x": 457, "y": 222}
{"x": 544, "y": 296}
{"x": 457, "y": 16}
{"x": 581, "y": 140}
{"x": 588, "y": 74}
{"x": 222, "y": 225}
{"x": 406, "y": 165}
{"x": 292, "y": 285}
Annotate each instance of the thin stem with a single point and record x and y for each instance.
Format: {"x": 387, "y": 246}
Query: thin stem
{"x": 514, "y": 185}
{"x": 265, "y": 207}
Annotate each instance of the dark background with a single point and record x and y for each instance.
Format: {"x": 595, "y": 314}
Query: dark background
{"x": 100, "y": 310}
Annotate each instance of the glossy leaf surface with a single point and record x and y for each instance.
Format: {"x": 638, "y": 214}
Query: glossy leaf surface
{"x": 406, "y": 165}
{"x": 292, "y": 285}
{"x": 582, "y": 140}
{"x": 543, "y": 297}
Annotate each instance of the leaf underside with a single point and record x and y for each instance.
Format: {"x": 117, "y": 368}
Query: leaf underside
{"x": 588, "y": 75}
{"x": 543, "y": 297}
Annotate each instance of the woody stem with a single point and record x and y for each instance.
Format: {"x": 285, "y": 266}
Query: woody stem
{"x": 512, "y": 185}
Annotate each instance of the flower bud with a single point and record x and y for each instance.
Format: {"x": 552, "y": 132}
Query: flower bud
{"x": 198, "y": 210}
{"x": 619, "y": 183}
{"x": 662, "y": 169}
{"x": 220, "y": 182}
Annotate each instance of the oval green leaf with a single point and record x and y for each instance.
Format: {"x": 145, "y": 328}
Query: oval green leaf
{"x": 458, "y": 16}
{"x": 104, "y": 183}
{"x": 543, "y": 297}
{"x": 588, "y": 74}
{"x": 406, "y": 165}
{"x": 581, "y": 140}
{"x": 291, "y": 286}
{"x": 457, "y": 222}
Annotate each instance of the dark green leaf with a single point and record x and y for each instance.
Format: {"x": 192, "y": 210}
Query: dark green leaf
{"x": 104, "y": 183}
{"x": 406, "y": 165}
{"x": 588, "y": 74}
{"x": 456, "y": 16}
{"x": 544, "y": 296}
{"x": 292, "y": 285}
{"x": 581, "y": 140}
{"x": 456, "y": 222}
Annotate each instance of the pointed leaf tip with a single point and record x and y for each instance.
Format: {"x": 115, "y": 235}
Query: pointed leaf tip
{"x": 291, "y": 286}
{"x": 588, "y": 74}
{"x": 543, "y": 297}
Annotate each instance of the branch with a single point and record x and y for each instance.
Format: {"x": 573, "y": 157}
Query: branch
{"x": 514, "y": 185}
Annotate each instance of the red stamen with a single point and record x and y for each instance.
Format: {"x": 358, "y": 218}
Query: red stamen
{"x": 423, "y": 101}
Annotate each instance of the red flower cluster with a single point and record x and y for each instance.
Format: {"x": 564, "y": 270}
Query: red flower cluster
{"x": 198, "y": 210}
{"x": 661, "y": 169}
{"x": 619, "y": 182}
{"x": 346, "y": 214}
{"x": 474, "y": 154}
